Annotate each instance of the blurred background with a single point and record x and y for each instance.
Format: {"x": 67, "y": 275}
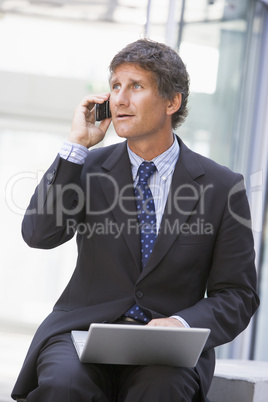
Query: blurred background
{"x": 52, "y": 53}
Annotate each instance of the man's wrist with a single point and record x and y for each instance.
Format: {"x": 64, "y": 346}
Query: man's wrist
{"x": 184, "y": 323}
{"x": 73, "y": 152}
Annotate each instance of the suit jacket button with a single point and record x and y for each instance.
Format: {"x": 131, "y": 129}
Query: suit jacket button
{"x": 139, "y": 294}
{"x": 51, "y": 176}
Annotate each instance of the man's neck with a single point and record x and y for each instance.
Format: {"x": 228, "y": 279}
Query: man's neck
{"x": 150, "y": 150}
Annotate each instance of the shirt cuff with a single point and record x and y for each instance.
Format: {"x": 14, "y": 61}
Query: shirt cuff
{"x": 185, "y": 323}
{"x": 72, "y": 152}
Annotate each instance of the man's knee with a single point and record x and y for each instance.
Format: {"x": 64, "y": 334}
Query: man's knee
{"x": 72, "y": 387}
{"x": 61, "y": 376}
{"x": 158, "y": 383}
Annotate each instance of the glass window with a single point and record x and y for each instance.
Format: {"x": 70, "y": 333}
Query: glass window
{"x": 35, "y": 276}
{"x": 213, "y": 46}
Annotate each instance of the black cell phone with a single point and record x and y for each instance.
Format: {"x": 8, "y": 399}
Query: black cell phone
{"x": 102, "y": 111}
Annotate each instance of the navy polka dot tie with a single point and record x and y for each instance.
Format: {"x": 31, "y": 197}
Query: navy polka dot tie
{"x": 147, "y": 223}
{"x": 146, "y": 210}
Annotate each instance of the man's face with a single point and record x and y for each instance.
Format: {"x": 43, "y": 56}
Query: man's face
{"x": 138, "y": 112}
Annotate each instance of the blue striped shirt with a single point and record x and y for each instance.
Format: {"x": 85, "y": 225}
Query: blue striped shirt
{"x": 72, "y": 152}
{"x": 160, "y": 180}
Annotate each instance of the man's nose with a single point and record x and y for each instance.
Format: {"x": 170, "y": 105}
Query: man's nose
{"x": 121, "y": 98}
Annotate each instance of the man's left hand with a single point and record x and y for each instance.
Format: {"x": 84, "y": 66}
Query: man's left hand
{"x": 165, "y": 322}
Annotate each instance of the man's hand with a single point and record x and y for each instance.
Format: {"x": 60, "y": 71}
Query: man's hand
{"x": 165, "y": 322}
{"x": 83, "y": 130}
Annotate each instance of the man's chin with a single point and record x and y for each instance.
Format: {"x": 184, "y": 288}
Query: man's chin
{"x": 122, "y": 129}
{"x": 122, "y": 134}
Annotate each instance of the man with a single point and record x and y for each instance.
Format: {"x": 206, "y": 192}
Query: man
{"x": 148, "y": 261}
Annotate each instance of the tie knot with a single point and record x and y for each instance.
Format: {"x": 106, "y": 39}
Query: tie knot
{"x": 146, "y": 170}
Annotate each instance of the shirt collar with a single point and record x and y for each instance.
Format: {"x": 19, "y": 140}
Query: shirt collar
{"x": 165, "y": 162}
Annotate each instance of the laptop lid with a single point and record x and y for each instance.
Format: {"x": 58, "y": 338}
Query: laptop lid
{"x": 140, "y": 345}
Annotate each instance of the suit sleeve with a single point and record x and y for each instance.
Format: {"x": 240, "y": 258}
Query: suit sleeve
{"x": 231, "y": 289}
{"x": 56, "y": 206}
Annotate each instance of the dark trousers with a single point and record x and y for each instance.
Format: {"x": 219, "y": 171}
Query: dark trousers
{"x": 62, "y": 378}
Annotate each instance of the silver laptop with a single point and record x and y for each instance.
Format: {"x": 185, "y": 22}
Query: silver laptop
{"x": 140, "y": 345}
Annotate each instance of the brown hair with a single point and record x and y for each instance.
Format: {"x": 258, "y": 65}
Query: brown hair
{"x": 168, "y": 68}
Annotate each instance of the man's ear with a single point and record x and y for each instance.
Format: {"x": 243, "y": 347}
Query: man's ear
{"x": 174, "y": 104}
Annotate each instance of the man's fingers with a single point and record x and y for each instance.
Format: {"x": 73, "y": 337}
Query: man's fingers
{"x": 90, "y": 100}
{"x": 83, "y": 130}
{"x": 165, "y": 322}
{"x": 104, "y": 124}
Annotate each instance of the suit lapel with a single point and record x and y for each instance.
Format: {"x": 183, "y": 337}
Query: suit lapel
{"x": 183, "y": 197}
{"x": 119, "y": 187}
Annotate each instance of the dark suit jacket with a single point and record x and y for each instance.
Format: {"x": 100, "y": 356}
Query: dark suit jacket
{"x": 202, "y": 266}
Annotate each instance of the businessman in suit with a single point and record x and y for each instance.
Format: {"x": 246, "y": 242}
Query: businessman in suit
{"x": 190, "y": 265}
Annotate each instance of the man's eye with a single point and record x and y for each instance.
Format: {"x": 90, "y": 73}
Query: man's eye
{"x": 116, "y": 86}
{"x": 137, "y": 86}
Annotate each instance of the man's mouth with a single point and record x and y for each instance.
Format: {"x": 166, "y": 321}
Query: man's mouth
{"x": 123, "y": 116}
